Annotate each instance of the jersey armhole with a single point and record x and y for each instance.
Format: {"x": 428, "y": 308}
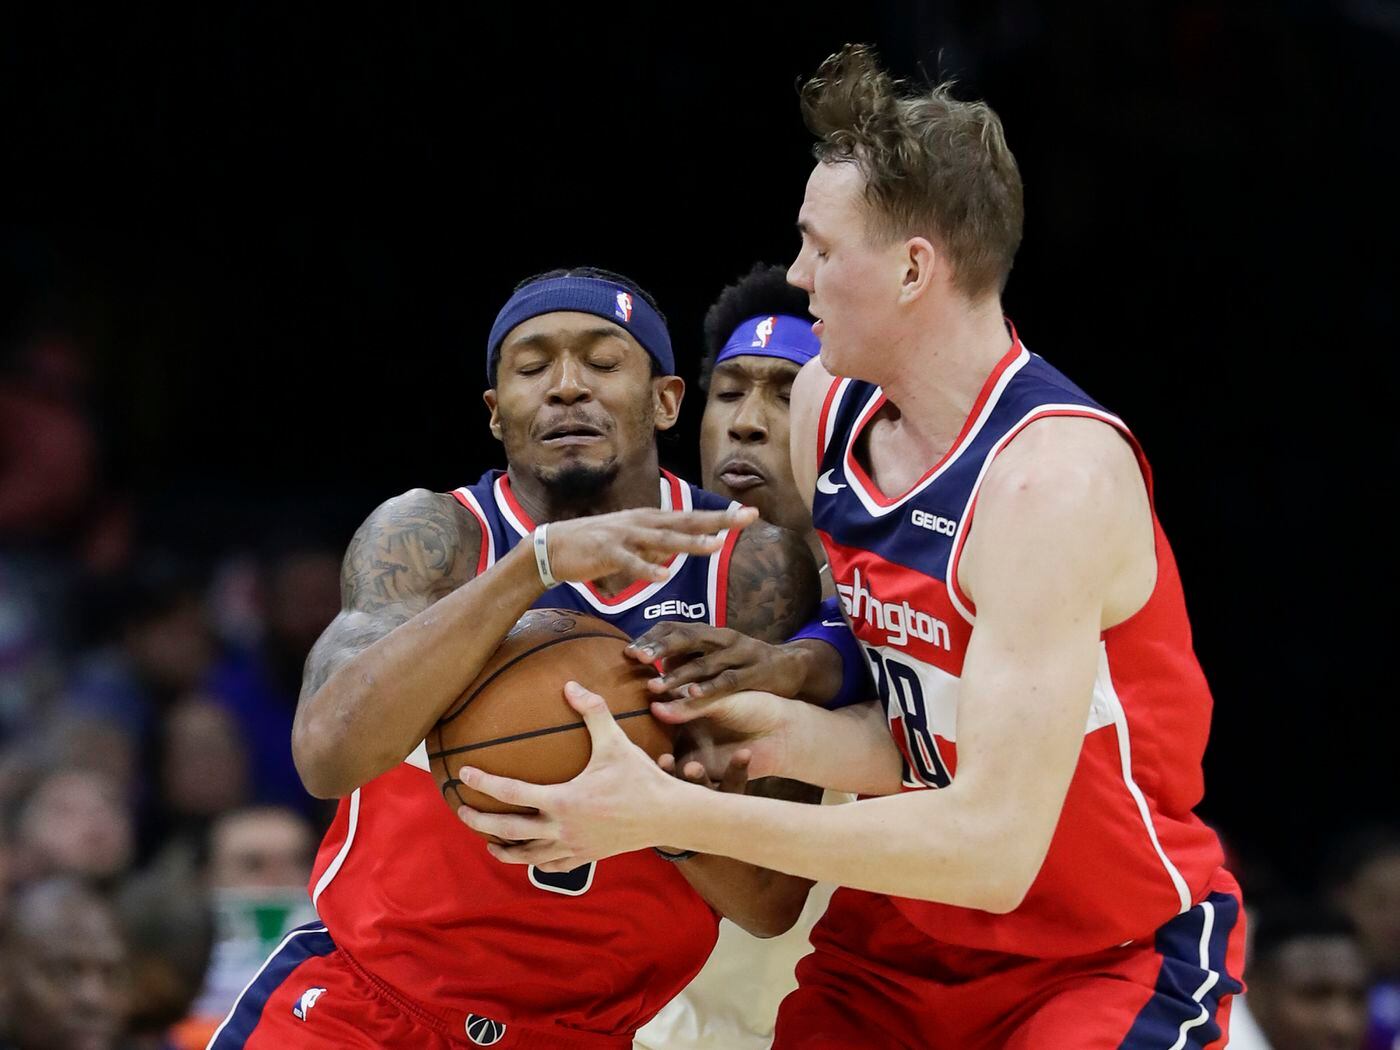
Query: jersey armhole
{"x": 487, "y": 555}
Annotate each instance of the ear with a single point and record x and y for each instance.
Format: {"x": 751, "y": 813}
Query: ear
{"x": 919, "y": 261}
{"x": 489, "y": 396}
{"x": 666, "y": 395}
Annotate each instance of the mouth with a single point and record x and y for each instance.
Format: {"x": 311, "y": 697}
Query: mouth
{"x": 739, "y": 475}
{"x": 817, "y": 327}
{"x": 568, "y": 435}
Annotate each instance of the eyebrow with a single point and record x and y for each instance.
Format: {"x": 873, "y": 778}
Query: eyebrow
{"x": 760, "y": 368}
{"x": 543, "y": 340}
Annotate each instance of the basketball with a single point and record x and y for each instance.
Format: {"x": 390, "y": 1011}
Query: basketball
{"x": 513, "y": 720}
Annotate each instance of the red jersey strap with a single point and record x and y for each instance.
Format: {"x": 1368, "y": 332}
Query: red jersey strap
{"x": 484, "y": 558}
{"x": 720, "y": 602}
{"x": 822, "y": 419}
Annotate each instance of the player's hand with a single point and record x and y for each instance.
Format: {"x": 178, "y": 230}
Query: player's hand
{"x": 750, "y": 721}
{"x": 616, "y": 805}
{"x": 734, "y": 779}
{"x": 701, "y": 661}
{"x": 637, "y": 542}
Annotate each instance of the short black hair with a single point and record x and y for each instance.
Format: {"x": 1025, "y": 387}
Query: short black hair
{"x": 763, "y": 290}
{"x": 598, "y": 274}
{"x": 1284, "y": 922}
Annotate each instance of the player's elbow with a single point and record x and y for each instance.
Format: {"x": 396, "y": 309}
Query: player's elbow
{"x": 777, "y": 910}
{"x": 1016, "y": 859}
{"x": 321, "y": 749}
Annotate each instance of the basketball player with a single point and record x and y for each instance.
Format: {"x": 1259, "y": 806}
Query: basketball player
{"x": 1035, "y": 877}
{"x": 757, "y": 335}
{"x": 425, "y": 941}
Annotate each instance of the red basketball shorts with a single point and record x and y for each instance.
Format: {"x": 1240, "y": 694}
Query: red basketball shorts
{"x": 874, "y": 980}
{"x": 312, "y": 996}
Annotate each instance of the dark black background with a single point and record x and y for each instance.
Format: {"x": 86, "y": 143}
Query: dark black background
{"x": 282, "y": 232}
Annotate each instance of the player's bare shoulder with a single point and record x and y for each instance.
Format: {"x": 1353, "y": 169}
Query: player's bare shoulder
{"x": 1071, "y": 486}
{"x": 415, "y": 547}
{"x": 773, "y": 583}
{"x": 411, "y": 551}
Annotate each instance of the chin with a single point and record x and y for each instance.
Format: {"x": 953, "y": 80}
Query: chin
{"x": 577, "y": 481}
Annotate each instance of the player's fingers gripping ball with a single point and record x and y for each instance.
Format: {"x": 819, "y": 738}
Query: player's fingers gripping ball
{"x": 513, "y": 720}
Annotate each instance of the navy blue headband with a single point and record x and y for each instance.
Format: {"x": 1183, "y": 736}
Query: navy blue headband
{"x": 589, "y": 295}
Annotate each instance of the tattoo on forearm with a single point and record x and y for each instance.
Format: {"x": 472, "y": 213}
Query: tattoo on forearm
{"x": 773, "y": 584}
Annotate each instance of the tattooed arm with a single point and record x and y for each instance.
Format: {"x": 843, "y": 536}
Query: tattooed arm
{"x": 774, "y": 589}
{"x": 414, "y": 629}
{"x": 416, "y": 623}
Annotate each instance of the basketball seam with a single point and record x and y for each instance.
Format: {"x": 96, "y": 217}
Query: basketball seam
{"x": 515, "y": 660}
{"x": 532, "y": 733}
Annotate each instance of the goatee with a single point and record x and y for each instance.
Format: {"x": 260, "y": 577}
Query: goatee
{"x": 579, "y": 484}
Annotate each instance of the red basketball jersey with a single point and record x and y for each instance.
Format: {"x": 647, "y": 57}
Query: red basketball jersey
{"x": 412, "y": 896}
{"x": 1128, "y": 852}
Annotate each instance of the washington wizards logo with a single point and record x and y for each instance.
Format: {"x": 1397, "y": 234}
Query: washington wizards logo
{"x": 624, "y": 306}
{"x": 763, "y": 331}
{"x": 483, "y": 1031}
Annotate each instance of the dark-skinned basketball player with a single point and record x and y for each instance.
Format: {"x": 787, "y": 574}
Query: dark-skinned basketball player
{"x": 426, "y": 940}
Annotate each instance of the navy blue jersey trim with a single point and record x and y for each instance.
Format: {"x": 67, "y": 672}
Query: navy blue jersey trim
{"x": 305, "y": 942}
{"x": 1175, "y": 1009}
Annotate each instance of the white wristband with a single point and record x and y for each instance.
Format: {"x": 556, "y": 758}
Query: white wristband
{"x": 542, "y": 556}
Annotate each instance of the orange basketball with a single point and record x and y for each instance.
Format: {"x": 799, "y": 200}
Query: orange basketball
{"x": 513, "y": 719}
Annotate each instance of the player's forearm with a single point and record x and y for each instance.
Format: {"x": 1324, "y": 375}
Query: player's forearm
{"x": 928, "y": 845}
{"x": 376, "y": 707}
{"x": 847, "y": 750}
{"x": 763, "y": 902}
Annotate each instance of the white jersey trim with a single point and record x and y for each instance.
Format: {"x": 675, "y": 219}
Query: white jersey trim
{"x": 965, "y": 518}
{"x": 1104, "y": 684}
{"x": 872, "y": 506}
{"x": 607, "y": 608}
{"x": 333, "y": 868}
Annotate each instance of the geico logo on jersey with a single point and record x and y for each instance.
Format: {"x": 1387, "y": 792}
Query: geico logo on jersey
{"x": 675, "y": 607}
{"x": 899, "y": 622}
{"x": 933, "y": 522}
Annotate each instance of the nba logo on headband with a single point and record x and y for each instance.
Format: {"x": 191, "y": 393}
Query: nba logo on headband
{"x": 624, "y": 306}
{"x": 763, "y": 331}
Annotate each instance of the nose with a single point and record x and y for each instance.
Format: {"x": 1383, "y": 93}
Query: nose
{"x": 799, "y": 274}
{"x": 569, "y": 382}
{"x": 749, "y": 425}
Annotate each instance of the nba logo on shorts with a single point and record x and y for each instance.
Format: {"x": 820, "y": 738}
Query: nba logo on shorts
{"x": 763, "y": 332}
{"x": 624, "y": 306}
{"x": 483, "y": 1031}
{"x": 306, "y": 1002}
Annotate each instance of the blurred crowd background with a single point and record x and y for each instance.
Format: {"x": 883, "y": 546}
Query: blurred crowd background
{"x": 247, "y": 264}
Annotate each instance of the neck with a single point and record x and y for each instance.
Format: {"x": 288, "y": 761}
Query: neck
{"x": 935, "y": 380}
{"x": 634, "y": 486}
